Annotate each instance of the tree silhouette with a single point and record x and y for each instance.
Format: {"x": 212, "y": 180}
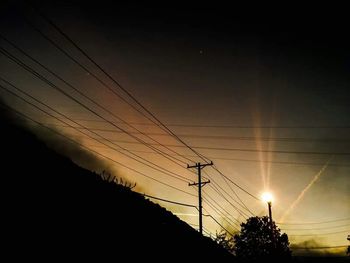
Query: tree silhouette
{"x": 257, "y": 241}
{"x": 225, "y": 240}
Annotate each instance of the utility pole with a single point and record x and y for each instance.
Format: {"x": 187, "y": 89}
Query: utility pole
{"x": 270, "y": 214}
{"x": 267, "y": 197}
{"x": 199, "y": 167}
{"x": 271, "y": 224}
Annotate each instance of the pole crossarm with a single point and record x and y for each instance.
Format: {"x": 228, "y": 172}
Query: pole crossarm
{"x": 201, "y": 165}
{"x": 203, "y": 183}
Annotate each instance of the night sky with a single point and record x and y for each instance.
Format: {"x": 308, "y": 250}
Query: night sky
{"x": 264, "y": 94}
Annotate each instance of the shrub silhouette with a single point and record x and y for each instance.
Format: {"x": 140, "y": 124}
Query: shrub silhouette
{"x": 225, "y": 240}
{"x": 256, "y": 242}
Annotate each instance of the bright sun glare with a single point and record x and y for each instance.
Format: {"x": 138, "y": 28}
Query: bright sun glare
{"x": 266, "y": 197}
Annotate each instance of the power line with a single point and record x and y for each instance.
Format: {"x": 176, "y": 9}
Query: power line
{"x": 223, "y": 209}
{"x": 321, "y": 234}
{"x": 240, "y": 159}
{"x": 265, "y": 139}
{"x": 90, "y": 73}
{"x": 30, "y": 71}
{"x": 159, "y": 123}
{"x": 273, "y": 151}
{"x": 149, "y": 196}
{"x": 224, "y": 217}
{"x": 307, "y": 229}
{"x": 236, "y": 149}
{"x": 58, "y": 29}
{"x": 205, "y": 230}
{"x": 242, "y": 138}
{"x": 165, "y": 171}
{"x": 314, "y": 223}
{"x": 169, "y": 201}
{"x": 95, "y": 152}
{"x": 239, "y": 126}
{"x": 136, "y": 101}
{"x": 220, "y": 190}
{"x": 278, "y": 162}
{"x": 242, "y": 213}
{"x": 238, "y": 186}
{"x": 307, "y": 248}
{"x": 209, "y": 200}
{"x": 81, "y": 145}
{"x": 88, "y": 98}
{"x": 232, "y": 190}
{"x": 241, "y": 188}
{"x": 45, "y": 80}
{"x": 259, "y": 127}
{"x": 218, "y": 223}
{"x": 102, "y": 69}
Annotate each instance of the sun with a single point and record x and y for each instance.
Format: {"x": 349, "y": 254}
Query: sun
{"x": 267, "y": 197}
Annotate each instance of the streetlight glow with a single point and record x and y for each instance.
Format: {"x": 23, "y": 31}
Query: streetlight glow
{"x": 267, "y": 197}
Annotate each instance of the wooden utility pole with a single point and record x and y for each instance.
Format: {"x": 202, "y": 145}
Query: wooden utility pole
{"x": 271, "y": 225}
{"x": 199, "y": 167}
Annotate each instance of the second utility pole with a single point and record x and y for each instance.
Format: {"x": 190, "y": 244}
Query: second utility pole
{"x": 199, "y": 167}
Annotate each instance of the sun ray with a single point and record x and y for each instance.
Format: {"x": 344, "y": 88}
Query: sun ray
{"x": 258, "y": 145}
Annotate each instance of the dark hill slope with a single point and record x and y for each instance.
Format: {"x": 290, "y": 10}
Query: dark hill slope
{"x": 55, "y": 209}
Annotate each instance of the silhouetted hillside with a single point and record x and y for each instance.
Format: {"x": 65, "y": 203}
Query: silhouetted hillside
{"x": 55, "y": 209}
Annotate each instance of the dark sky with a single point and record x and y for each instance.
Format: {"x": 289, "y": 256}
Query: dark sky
{"x": 246, "y": 54}
{"x": 208, "y": 65}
